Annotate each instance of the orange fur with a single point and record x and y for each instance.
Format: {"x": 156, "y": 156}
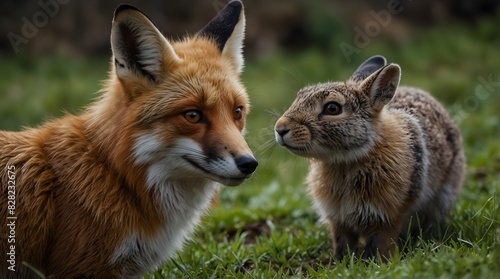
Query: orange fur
{"x": 90, "y": 202}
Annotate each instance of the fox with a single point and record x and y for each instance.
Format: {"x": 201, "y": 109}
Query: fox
{"x": 116, "y": 190}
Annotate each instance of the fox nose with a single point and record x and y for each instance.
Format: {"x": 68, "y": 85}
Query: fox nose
{"x": 282, "y": 131}
{"x": 246, "y": 164}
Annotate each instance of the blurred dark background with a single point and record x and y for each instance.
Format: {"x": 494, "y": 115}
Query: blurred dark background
{"x": 75, "y": 27}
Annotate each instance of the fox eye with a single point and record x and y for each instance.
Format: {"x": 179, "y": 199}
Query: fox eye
{"x": 193, "y": 116}
{"x": 332, "y": 108}
{"x": 238, "y": 113}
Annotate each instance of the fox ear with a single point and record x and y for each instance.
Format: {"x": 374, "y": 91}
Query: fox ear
{"x": 139, "y": 49}
{"x": 381, "y": 85}
{"x": 227, "y": 30}
{"x": 368, "y": 67}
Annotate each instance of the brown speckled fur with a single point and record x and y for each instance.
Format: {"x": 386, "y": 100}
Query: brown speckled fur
{"x": 380, "y": 162}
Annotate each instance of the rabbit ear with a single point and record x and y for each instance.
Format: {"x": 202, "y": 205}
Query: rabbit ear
{"x": 381, "y": 85}
{"x": 368, "y": 67}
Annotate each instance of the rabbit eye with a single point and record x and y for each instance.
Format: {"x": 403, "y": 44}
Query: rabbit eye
{"x": 238, "y": 113}
{"x": 332, "y": 108}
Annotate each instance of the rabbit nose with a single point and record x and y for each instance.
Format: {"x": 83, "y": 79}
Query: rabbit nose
{"x": 282, "y": 131}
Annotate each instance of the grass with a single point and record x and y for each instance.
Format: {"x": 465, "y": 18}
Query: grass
{"x": 266, "y": 228}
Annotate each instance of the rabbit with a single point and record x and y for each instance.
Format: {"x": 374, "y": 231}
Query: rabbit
{"x": 384, "y": 162}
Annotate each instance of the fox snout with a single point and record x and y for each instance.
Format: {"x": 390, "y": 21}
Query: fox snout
{"x": 233, "y": 164}
{"x": 246, "y": 164}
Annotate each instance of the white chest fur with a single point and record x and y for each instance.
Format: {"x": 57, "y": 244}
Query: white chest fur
{"x": 182, "y": 199}
{"x": 183, "y": 206}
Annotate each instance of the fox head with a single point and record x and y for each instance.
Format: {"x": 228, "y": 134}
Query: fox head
{"x": 183, "y": 105}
